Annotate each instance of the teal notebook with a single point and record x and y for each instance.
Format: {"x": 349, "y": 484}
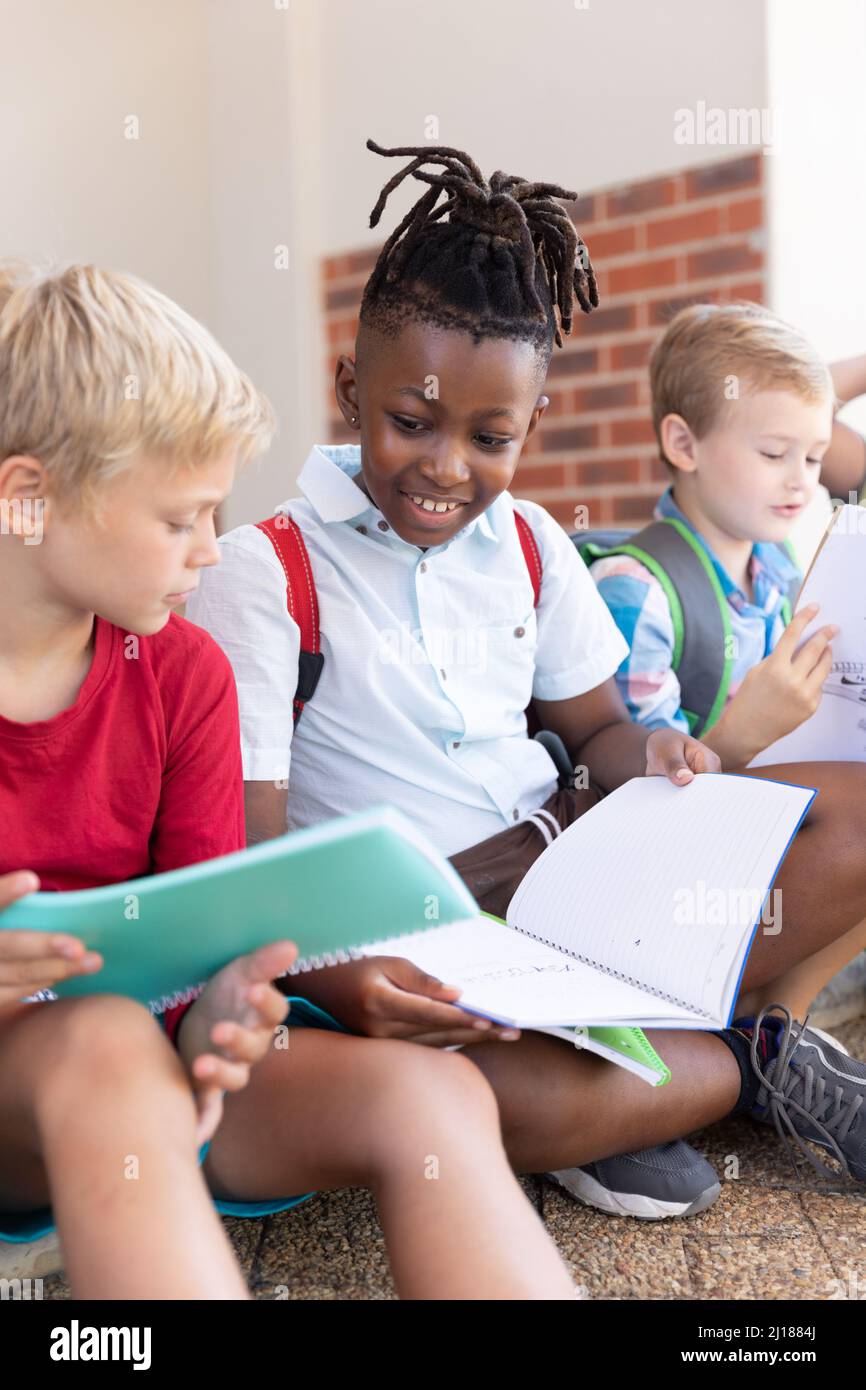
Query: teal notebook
{"x": 327, "y": 888}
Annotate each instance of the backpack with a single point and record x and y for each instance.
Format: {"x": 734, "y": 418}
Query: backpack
{"x": 285, "y": 536}
{"x": 703, "y": 657}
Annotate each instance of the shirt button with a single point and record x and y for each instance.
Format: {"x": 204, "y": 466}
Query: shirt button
{"x": 519, "y": 631}
{"x": 456, "y": 745}
{"x": 423, "y": 567}
{"x": 383, "y": 525}
{"x": 515, "y": 814}
{"x": 362, "y": 529}
{"x": 442, "y": 674}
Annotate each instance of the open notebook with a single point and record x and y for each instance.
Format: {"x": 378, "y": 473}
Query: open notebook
{"x": 837, "y": 730}
{"x": 617, "y": 925}
{"x": 640, "y": 913}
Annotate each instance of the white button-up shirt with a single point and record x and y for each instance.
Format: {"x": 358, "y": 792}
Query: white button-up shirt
{"x": 430, "y": 658}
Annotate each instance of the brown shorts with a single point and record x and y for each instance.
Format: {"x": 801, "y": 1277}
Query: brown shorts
{"x": 492, "y": 869}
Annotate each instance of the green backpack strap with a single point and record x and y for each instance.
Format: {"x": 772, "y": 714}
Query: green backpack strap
{"x": 703, "y": 652}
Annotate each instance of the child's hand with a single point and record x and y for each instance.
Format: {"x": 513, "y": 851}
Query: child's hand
{"x": 388, "y": 997}
{"x": 231, "y": 1026}
{"x": 678, "y": 756}
{"x": 35, "y": 960}
{"x": 785, "y": 688}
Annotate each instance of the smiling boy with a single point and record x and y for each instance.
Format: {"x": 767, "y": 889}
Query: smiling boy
{"x": 457, "y": 325}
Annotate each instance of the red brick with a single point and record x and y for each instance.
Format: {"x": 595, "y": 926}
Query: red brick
{"x": 362, "y": 262}
{"x": 582, "y": 210}
{"x": 638, "y": 431}
{"x": 609, "y": 472}
{"x": 534, "y": 475}
{"x": 568, "y": 361}
{"x": 722, "y": 260}
{"x": 640, "y": 197}
{"x": 634, "y": 509}
{"x": 659, "y": 471}
{"x": 348, "y": 297}
{"x": 608, "y": 397}
{"x": 715, "y": 178}
{"x": 748, "y": 289}
{"x": 560, "y": 402}
{"x": 631, "y": 354}
{"x": 661, "y": 311}
{"x": 563, "y": 512}
{"x": 690, "y": 226}
{"x": 568, "y": 437}
{"x": 619, "y": 241}
{"x": 746, "y": 215}
{"x": 618, "y": 319}
{"x": 643, "y": 275}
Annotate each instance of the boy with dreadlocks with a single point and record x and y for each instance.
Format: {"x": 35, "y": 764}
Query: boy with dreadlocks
{"x": 412, "y": 541}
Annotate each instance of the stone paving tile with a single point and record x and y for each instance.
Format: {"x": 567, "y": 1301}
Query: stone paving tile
{"x": 759, "y": 1267}
{"x": 772, "y": 1234}
{"x": 616, "y": 1257}
{"x": 332, "y": 1247}
{"x": 839, "y": 1223}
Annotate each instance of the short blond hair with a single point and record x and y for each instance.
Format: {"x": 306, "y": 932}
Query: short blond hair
{"x": 706, "y": 344}
{"x": 97, "y": 367}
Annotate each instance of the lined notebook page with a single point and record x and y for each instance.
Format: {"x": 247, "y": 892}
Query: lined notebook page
{"x": 661, "y": 885}
{"x": 508, "y": 976}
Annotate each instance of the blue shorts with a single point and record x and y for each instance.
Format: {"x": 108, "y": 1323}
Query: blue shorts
{"x": 19, "y": 1227}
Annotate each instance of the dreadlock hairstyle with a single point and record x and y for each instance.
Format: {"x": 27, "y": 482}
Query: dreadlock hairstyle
{"x": 507, "y": 259}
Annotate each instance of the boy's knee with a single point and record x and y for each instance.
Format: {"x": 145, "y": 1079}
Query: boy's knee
{"x": 103, "y": 1035}
{"x": 441, "y": 1086}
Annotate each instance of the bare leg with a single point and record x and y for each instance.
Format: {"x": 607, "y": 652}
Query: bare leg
{"x": 829, "y": 850}
{"x": 561, "y": 1108}
{"x": 98, "y": 1120}
{"x": 798, "y": 987}
{"x": 417, "y": 1126}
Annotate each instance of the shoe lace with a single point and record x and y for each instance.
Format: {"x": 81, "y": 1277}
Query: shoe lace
{"x": 825, "y": 1108}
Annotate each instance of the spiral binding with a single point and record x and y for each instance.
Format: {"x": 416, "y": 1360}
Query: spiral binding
{"x": 849, "y": 667}
{"x": 171, "y": 1001}
{"x": 617, "y": 974}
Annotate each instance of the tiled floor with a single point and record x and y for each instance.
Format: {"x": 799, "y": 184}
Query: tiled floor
{"x": 770, "y": 1235}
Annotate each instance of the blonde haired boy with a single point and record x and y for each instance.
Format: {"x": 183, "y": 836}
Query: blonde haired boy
{"x": 121, "y": 425}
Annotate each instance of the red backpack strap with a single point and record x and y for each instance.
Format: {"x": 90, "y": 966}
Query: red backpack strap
{"x": 531, "y": 554}
{"x": 285, "y": 536}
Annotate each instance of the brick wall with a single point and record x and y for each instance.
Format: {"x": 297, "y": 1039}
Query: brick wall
{"x": 655, "y": 246}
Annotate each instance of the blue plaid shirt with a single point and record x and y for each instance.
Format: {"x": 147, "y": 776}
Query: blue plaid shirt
{"x": 640, "y": 609}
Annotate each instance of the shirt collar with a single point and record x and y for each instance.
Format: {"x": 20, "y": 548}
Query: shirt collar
{"x": 779, "y": 567}
{"x": 327, "y": 480}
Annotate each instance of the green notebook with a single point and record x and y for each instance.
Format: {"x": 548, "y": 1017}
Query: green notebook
{"x": 327, "y": 888}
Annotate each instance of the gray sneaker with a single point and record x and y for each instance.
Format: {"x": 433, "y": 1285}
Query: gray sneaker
{"x": 815, "y": 1092}
{"x": 652, "y": 1184}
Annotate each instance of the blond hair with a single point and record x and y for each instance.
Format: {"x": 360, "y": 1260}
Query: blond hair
{"x": 97, "y": 367}
{"x": 705, "y": 345}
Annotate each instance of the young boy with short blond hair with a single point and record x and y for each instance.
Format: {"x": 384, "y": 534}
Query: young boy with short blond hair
{"x": 743, "y": 408}
{"x": 121, "y": 425}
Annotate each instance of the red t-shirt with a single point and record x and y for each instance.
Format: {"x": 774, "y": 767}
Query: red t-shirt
{"x": 141, "y": 774}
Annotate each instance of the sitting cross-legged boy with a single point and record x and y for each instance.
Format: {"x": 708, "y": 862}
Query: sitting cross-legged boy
{"x": 431, "y": 644}
{"x": 122, "y": 423}
{"x": 743, "y": 411}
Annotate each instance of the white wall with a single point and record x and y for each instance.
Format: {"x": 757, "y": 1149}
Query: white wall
{"x": 816, "y": 60}
{"x": 584, "y": 97}
{"x": 73, "y": 188}
{"x": 254, "y": 116}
